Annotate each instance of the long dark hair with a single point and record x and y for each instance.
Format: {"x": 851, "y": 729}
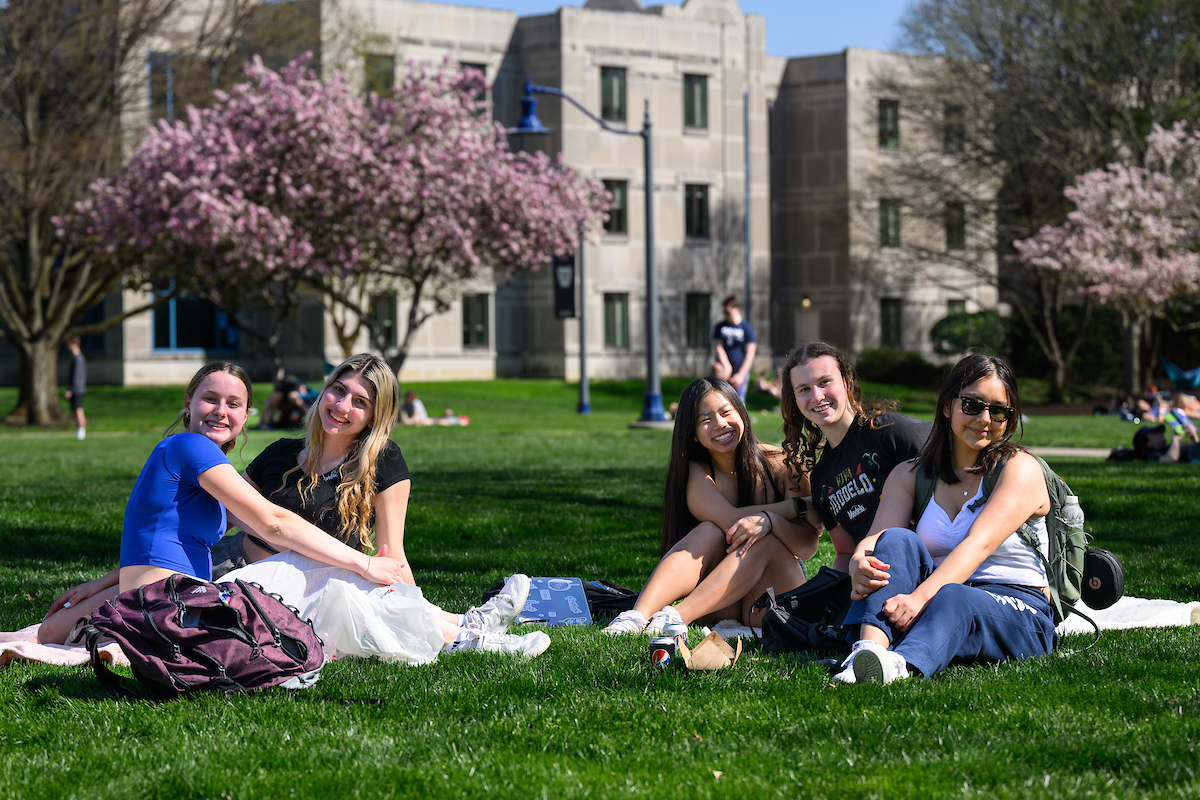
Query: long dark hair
{"x": 936, "y": 456}
{"x": 194, "y": 384}
{"x": 750, "y": 467}
{"x": 802, "y": 438}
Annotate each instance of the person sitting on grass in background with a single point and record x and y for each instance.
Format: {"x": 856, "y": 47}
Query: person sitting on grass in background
{"x": 729, "y": 520}
{"x": 845, "y": 449}
{"x": 178, "y": 511}
{"x": 961, "y": 584}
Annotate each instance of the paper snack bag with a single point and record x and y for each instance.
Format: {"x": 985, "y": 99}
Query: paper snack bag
{"x": 712, "y": 653}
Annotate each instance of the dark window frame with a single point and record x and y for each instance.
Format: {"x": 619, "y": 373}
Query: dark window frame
{"x": 889, "y": 222}
{"x": 618, "y": 216}
{"x": 696, "y": 217}
{"x": 891, "y": 322}
{"x": 475, "y": 321}
{"x": 616, "y": 320}
{"x": 613, "y": 94}
{"x": 695, "y": 102}
{"x": 956, "y": 226}
{"x": 889, "y": 124}
{"x": 698, "y": 319}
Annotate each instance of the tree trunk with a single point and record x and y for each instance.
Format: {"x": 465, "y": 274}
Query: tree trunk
{"x": 1131, "y": 351}
{"x": 37, "y": 397}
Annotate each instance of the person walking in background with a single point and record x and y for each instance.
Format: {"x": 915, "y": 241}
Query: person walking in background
{"x": 736, "y": 346}
{"x": 77, "y": 385}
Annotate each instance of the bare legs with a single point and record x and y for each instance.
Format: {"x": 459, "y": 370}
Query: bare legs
{"x": 714, "y": 584}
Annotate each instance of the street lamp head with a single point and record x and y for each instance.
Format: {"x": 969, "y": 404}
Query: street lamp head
{"x": 529, "y": 120}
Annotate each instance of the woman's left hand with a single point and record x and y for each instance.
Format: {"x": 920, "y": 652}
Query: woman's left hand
{"x": 746, "y": 531}
{"x": 902, "y": 610}
{"x": 383, "y": 570}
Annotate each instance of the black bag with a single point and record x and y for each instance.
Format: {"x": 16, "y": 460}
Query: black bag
{"x": 810, "y": 617}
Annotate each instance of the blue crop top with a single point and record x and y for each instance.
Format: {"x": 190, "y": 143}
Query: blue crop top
{"x": 170, "y": 521}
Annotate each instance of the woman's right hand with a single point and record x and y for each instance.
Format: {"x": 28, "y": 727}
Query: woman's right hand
{"x": 76, "y": 594}
{"x": 867, "y": 574}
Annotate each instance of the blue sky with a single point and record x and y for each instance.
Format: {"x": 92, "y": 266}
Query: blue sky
{"x": 794, "y": 27}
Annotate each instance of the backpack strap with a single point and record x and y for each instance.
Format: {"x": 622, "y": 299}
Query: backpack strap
{"x": 924, "y": 493}
{"x": 109, "y": 680}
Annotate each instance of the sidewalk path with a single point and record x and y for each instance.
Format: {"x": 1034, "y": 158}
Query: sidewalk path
{"x": 1079, "y": 452}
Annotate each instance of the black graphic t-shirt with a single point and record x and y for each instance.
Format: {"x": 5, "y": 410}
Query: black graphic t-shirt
{"x": 847, "y": 479}
{"x": 268, "y": 470}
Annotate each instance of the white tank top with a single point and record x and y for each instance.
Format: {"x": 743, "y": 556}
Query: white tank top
{"x": 1013, "y": 562}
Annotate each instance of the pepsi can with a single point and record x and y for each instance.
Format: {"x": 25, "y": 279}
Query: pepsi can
{"x": 662, "y": 651}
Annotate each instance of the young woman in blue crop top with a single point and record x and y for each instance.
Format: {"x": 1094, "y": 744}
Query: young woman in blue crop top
{"x": 961, "y": 585}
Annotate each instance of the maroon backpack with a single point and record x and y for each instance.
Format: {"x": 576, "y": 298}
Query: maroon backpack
{"x": 183, "y": 635}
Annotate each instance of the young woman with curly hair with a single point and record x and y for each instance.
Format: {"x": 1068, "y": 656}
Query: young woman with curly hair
{"x": 845, "y": 449}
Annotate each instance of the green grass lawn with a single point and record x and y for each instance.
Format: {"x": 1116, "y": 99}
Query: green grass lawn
{"x": 532, "y": 486}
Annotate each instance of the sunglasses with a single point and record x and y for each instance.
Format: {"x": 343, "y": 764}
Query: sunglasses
{"x": 973, "y": 407}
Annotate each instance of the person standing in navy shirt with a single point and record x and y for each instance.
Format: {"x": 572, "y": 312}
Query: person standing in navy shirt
{"x": 736, "y": 346}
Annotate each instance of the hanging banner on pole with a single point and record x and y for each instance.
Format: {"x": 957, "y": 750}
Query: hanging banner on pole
{"x": 564, "y": 286}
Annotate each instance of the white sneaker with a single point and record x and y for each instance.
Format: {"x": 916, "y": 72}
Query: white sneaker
{"x": 627, "y": 622}
{"x": 501, "y": 610}
{"x": 527, "y": 646}
{"x": 873, "y": 662}
{"x": 847, "y": 673}
{"x": 659, "y": 620}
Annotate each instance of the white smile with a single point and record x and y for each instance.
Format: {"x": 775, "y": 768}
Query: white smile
{"x": 722, "y": 438}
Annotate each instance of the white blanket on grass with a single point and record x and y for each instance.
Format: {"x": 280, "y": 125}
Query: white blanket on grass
{"x": 1128, "y": 612}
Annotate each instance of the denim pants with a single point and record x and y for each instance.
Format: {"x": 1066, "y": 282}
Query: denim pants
{"x": 963, "y": 622}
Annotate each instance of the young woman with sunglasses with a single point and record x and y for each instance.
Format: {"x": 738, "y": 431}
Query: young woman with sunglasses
{"x": 846, "y": 448}
{"x": 961, "y": 585}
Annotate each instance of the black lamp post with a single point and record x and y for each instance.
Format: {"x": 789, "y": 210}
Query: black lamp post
{"x": 652, "y": 411}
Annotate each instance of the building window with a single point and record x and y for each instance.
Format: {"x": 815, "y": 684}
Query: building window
{"x": 616, "y": 320}
{"x": 482, "y": 70}
{"x": 889, "y": 322}
{"x": 695, "y": 211}
{"x": 889, "y": 223}
{"x": 956, "y": 307}
{"x": 379, "y": 74}
{"x": 612, "y": 94}
{"x": 383, "y": 315}
{"x": 954, "y": 131}
{"x": 956, "y": 226}
{"x": 475, "y": 320}
{"x": 699, "y": 333}
{"x": 889, "y": 124}
{"x": 618, "y": 215}
{"x": 695, "y": 101}
{"x": 189, "y": 323}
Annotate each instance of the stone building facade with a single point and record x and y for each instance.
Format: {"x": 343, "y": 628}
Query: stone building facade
{"x": 823, "y": 256}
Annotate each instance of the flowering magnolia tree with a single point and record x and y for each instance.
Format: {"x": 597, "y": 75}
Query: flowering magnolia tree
{"x": 290, "y": 182}
{"x": 1133, "y": 237}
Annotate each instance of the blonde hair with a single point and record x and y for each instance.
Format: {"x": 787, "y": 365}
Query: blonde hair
{"x": 356, "y": 489}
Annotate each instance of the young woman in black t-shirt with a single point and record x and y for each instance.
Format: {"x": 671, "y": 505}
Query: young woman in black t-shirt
{"x": 845, "y": 449}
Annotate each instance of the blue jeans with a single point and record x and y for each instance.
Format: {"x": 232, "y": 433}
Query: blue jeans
{"x": 963, "y": 622}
